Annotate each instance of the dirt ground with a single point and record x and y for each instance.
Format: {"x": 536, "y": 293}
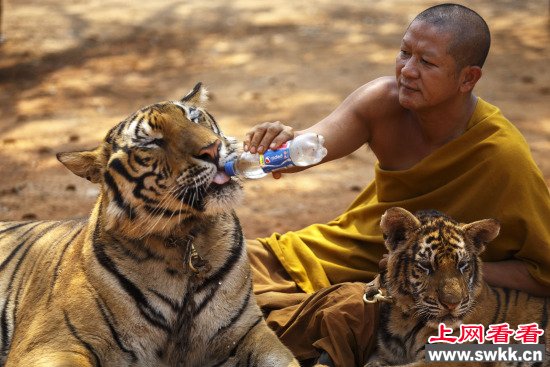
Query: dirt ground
{"x": 71, "y": 69}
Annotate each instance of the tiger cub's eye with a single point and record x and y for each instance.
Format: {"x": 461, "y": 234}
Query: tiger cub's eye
{"x": 462, "y": 266}
{"x": 425, "y": 266}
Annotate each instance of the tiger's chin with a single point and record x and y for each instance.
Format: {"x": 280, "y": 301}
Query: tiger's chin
{"x": 222, "y": 197}
{"x": 449, "y": 319}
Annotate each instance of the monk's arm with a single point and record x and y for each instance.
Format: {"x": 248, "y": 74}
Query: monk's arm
{"x": 513, "y": 274}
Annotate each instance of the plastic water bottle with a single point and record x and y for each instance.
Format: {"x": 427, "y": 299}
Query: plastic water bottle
{"x": 304, "y": 150}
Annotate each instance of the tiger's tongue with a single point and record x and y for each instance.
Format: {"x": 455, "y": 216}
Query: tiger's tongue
{"x": 221, "y": 178}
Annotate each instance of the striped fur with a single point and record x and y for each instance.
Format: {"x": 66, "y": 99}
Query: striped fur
{"x": 117, "y": 289}
{"x": 434, "y": 276}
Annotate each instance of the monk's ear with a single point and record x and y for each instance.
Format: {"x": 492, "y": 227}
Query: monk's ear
{"x": 396, "y": 225}
{"x": 86, "y": 164}
{"x": 481, "y": 232}
{"x": 470, "y": 76}
{"x": 196, "y": 96}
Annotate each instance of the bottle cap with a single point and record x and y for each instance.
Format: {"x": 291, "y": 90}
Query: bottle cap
{"x": 229, "y": 168}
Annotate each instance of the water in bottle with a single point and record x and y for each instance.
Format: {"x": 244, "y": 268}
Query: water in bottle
{"x": 304, "y": 150}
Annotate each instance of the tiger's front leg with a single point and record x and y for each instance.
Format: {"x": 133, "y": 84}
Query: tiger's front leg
{"x": 39, "y": 358}
{"x": 262, "y": 348}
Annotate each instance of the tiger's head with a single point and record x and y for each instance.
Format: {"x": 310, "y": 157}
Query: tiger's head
{"x": 434, "y": 268}
{"x": 160, "y": 166}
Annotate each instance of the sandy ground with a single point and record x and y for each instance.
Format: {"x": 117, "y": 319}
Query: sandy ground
{"x": 71, "y": 69}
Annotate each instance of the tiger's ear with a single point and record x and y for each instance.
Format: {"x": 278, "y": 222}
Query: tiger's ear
{"x": 197, "y": 96}
{"x": 396, "y": 224}
{"x": 85, "y": 163}
{"x": 482, "y": 232}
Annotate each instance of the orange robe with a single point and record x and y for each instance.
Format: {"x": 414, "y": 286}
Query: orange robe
{"x": 488, "y": 172}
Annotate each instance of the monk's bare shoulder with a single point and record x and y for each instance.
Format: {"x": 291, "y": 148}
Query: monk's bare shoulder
{"x": 360, "y": 118}
{"x": 377, "y": 96}
{"x": 377, "y": 102}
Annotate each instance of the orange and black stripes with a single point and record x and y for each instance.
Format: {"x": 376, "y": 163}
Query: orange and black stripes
{"x": 77, "y": 336}
{"x": 110, "y": 320}
{"x": 150, "y": 314}
{"x": 120, "y": 288}
{"x": 14, "y": 269}
{"x": 434, "y": 275}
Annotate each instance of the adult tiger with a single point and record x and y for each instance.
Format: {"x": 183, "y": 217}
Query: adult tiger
{"x": 157, "y": 276}
{"x": 434, "y": 276}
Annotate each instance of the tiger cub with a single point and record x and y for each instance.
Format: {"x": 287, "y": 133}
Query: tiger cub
{"x": 157, "y": 275}
{"x": 434, "y": 276}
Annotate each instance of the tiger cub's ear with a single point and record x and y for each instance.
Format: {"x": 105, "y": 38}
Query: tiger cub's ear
{"x": 197, "y": 96}
{"x": 396, "y": 224}
{"x": 85, "y": 164}
{"x": 482, "y": 232}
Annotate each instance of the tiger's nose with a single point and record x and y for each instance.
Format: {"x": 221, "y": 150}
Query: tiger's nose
{"x": 210, "y": 152}
{"x": 450, "y": 305}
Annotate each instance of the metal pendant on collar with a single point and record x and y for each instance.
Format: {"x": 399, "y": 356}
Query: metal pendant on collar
{"x": 375, "y": 293}
{"x": 197, "y": 263}
{"x": 192, "y": 260}
{"x": 377, "y": 297}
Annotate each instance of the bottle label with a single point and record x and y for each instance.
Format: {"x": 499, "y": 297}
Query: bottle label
{"x": 273, "y": 160}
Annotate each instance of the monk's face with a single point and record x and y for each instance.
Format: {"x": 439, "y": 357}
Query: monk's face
{"x": 426, "y": 73}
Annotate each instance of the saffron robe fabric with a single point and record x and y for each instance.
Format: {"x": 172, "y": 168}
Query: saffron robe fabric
{"x": 488, "y": 172}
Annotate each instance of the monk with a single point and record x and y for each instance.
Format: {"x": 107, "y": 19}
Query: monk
{"x": 438, "y": 146}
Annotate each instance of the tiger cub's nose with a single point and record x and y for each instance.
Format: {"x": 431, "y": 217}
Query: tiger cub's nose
{"x": 450, "y": 305}
{"x": 210, "y": 152}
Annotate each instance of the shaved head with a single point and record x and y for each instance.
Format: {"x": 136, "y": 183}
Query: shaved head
{"x": 470, "y": 36}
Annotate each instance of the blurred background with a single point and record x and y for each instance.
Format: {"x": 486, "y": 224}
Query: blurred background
{"x": 71, "y": 69}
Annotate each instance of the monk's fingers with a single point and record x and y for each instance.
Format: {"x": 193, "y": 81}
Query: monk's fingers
{"x": 251, "y": 140}
{"x": 255, "y": 136}
{"x": 284, "y": 135}
{"x": 261, "y": 137}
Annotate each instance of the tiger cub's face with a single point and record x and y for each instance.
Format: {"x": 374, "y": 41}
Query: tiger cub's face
{"x": 161, "y": 165}
{"x": 434, "y": 269}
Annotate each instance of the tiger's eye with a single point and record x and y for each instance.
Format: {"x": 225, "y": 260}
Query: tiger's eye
{"x": 462, "y": 266}
{"x": 425, "y": 266}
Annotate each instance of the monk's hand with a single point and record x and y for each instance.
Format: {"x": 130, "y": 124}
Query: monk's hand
{"x": 267, "y": 135}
